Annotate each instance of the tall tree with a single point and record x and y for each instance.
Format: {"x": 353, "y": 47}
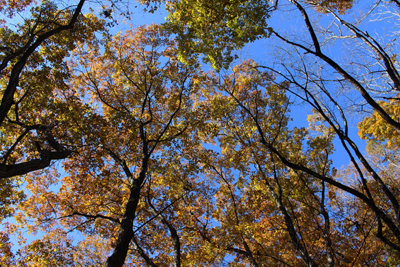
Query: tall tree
{"x": 32, "y": 66}
{"x": 141, "y": 99}
{"x": 35, "y": 39}
{"x": 290, "y": 205}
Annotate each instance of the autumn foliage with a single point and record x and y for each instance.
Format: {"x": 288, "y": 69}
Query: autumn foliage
{"x": 123, "y": 150}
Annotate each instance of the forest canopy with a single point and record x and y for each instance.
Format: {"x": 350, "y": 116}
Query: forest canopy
{"x": 163, "y": 145}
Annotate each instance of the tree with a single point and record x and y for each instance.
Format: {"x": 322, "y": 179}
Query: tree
{"x": 290, "y": 183}
{"x": 313, "y": 87}
{"x": 33, "y": 54}
{"x": 34, "y": 42}
{"x": 138, "y": 104}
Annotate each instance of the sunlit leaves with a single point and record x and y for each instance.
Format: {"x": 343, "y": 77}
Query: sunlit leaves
{"x": 216, "y": 28}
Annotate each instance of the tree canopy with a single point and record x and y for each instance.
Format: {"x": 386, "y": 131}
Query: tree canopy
{"x": 122, "y": 149}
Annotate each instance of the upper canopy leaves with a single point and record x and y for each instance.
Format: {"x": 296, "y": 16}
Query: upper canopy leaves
{"x": 217, "y": 28}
